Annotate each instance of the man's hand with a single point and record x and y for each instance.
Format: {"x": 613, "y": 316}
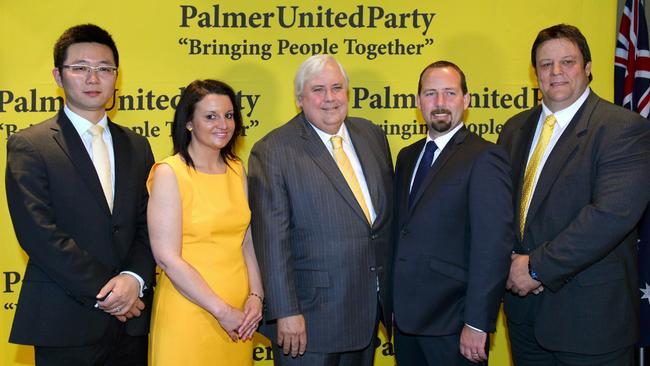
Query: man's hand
{"x": 119, "y": 295}
{"x": 472, "y": 344}
{"x": 292, "y": 335}
{"x": 519, "y": 280}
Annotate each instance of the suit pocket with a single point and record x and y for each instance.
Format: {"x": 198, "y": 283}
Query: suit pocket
{"x": 309, "y": 285}
{"x": 601, "y": 273}
{"x": 448, "y": 269}
{"x": 311, "y": 278}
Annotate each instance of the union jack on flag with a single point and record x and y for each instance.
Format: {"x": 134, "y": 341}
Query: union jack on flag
{"x": 632, "y": 91}
{"x": 632, "y": 62}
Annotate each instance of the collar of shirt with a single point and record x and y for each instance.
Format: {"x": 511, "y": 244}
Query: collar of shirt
{"x": 441, "y": 141}
{"x": 82, "y": 125}
{"x": 564, "y": 116}
{"x": 354, "y": 161}
{"x": 325, "y": 137}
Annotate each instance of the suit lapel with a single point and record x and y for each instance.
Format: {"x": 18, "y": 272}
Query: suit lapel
{"x": 315, "y": 148}
{"x": 369, "y": 165}
{"x": 562, "y": 152}
{"x": 406, "y": 173}
{"x": 447, "y": 152}
{"x": 70, "y": 142}
{"x": 123, "y": 161}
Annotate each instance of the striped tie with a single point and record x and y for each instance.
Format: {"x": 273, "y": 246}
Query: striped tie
{"x": 531, "y": 170}
{"x": 101, "y": 163}
{"x": 348, "y": 173}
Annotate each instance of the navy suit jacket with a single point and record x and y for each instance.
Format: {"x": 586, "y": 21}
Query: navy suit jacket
{"x": 453, "y": 244}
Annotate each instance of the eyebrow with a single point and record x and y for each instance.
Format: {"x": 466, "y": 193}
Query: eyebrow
{"x": 445, "y": 89}
{"x": 84, "y": 61}
{"x": 561, "y": 57}
{"x": 214, "y": 111}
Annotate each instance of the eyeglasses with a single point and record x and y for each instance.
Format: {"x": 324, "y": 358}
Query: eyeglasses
{"x": 87, "y": 69}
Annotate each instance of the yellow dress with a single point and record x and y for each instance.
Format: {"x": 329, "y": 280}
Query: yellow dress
{"x": 215, "y": 218}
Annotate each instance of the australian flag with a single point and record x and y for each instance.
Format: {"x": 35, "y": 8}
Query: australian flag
{"x": 632, "y": 91}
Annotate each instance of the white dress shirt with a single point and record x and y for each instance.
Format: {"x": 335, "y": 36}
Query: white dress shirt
{"x": 562, "y": 118}
{"x": 83, "y": 126}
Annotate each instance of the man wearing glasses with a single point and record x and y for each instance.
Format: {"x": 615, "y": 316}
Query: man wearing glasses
{"x": 76, "y": 194}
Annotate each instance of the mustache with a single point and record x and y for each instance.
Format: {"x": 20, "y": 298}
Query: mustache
{"x": 440, "y": 111}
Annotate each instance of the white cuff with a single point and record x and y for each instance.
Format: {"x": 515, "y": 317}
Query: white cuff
{"x": 140, "y": 281}
{"x": 476, "y": 329}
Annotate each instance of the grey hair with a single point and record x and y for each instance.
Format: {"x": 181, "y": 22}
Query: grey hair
{"x": 312, "y": 67}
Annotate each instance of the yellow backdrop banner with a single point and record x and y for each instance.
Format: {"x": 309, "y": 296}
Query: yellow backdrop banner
{"x": 256, "y": 46}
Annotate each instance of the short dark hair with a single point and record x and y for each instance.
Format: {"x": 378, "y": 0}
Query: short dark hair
{"x": 81, "y": 34}
{"x": 566, "y": 31}
{"x": 191, "y": 95}
{"x": 442, "y": 64}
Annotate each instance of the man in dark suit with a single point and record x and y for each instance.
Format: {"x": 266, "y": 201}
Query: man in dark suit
{"x": 76, "y": 192}
{"x": 581, "y": 168}
{"x": 454, "y": 237}
{"x": 321, "y": 197}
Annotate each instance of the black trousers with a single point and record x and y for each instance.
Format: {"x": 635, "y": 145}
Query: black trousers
{"x": 526, "y": 351}
{"x": 362, "y": 357}
{"x": 115, "y": 349}
{"x": 416, "y": 350}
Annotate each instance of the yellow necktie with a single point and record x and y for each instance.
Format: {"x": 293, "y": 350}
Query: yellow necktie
{"x": 348, "y": 173}
{"x": 101, "y": 163}
{"x": 531, "y": 170}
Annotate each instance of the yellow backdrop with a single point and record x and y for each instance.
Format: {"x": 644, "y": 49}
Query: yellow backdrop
{"x": 256, "y": 46}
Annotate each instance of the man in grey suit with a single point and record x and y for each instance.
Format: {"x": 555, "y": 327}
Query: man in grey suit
{"x": 321, "y": 196}
{"x": 581, "y": 170}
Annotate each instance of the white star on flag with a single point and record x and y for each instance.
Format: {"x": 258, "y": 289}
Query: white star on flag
{"x": 646, "y": 293}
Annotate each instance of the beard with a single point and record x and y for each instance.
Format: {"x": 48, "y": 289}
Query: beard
{"x": 437, "y": 124}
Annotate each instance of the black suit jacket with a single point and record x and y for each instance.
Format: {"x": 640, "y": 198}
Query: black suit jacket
{"x": 318, "y": 255}
{"x": 453, "y": 245}
{"x": 75, "y": 245}
{"x": 580, "y": 228}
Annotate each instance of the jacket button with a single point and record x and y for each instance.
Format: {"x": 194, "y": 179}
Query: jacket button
{"x": 374, "y": 236}
{"x": 116, "y": 230}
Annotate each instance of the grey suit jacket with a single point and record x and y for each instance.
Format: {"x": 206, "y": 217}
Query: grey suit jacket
{"x": 318, "y": 255}
{"x": 580, "y": 229}
{"x": 75, "y": 244}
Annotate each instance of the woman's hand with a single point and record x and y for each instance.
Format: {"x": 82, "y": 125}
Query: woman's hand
{"x": 253, "y": 315}
{"x": 231, "y": 320}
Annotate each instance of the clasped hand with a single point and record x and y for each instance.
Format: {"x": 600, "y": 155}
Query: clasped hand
{"x": 519, "y": 280}
{"x": 241, "y": 325}
{"x": 120, "y": 297}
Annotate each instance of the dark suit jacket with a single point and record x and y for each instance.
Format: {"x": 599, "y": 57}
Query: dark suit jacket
{"x": 580, "y": 229}
{"x": 318, "y": 255}
{"x": 75, "y": 245}
{"x": 453, "y": 246}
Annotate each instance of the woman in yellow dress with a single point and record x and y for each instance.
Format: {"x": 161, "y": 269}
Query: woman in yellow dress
{"x": 208, "y": 300}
